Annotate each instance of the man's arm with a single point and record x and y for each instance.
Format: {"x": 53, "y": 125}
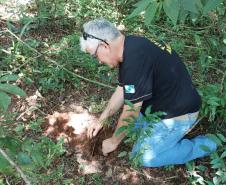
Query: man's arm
{"x": 115, "y": 103}
{"x": 112, "y": 143}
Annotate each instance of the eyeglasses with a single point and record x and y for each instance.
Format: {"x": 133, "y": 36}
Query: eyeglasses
{"x": 86, "y": 35}
{"x": 95, "y": 53}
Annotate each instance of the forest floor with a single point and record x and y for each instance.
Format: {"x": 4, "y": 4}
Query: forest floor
{"x": 66, "y": 114}
{"x": 83, "y": 156}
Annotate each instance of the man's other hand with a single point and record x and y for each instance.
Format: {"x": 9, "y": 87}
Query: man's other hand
{"x": 109, "y": 145}
{"x": 93, "y": 129}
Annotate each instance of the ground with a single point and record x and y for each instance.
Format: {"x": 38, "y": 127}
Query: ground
{"x": 65, "y": 114}
{"x": 83, "y": 156}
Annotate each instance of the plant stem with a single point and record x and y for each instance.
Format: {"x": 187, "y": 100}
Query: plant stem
{"x": 13, "y": 164}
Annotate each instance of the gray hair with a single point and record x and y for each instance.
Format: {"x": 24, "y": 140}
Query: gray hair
{"x": 100, "y": 28}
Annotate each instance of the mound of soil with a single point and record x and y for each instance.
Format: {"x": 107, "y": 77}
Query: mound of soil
{"x": 73, "y": 128}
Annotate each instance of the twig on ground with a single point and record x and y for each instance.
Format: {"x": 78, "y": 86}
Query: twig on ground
{"x": 7, "y": 182}
{"x": 54, "y": 62}
{"x": 24, "y": 63}
{"x": 32, "y": 108}
{"x": 166, "y": 30}
{"x": 145, "y": 174}
{"x": 194, "y": 47}
{"x": 42, "y": 112}
{"x": 197, "y": 28}
{"x": 169, "y": 178}
{"x": 79, "y": 76}
{"x": 13, "y": 164}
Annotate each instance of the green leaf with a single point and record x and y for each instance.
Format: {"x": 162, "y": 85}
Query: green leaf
{"x": 13, "y": 89}
{"x": 122, "y": 154}
{"x": 215, "y": 139}
{"x": 12, "y": 144}
{"x": 2, "y": 132}
{"x": 9, "y": 78}
{"x": 19, "y": 128}
{"x": 210, "y": 5}
{"x": 38, "y": 158}
{"x": 28, "y": 145}
{"x": 120, "y": 130}
{"x": 139, "y": 3}
{"x": 210, "y": 183}
{"x": 183, "y": 15}
{"x": 205, "y": 148}
{"x": 220, "y": 173}
{"x": 224, "y": 50}
{"x": 216, "y": 180}
{"x": 130, "y": 104}
{"x": 131, "y": 110}
{"x": 5, "y": 100}
{"x": 24, "y": 159}
{"x": 128, "y": 120}
{"x": 223, "y": 139}
{"x": 140, "y": 8}
{"x": 25, "y": 27}
{"x": 201, "y": 167}
{"x": 189, "y": 166}
{"x": 198, "y": 40}
{"x": 216, "y": 161}
{"x": 190, "y": 5}
{"x": 212, "y": 102}
{"x": 171, "y": 8}
{"x": 224, "y": 40}
{"x": 3, "y": 163}
{"x": 1, "y": 179}
{"x": 223, "y": 155}
{"x": 148, "y": 111}
{"x": 217, "y": 165}
{"x": 150, "y": 12}
{"x": 194, "y": 17}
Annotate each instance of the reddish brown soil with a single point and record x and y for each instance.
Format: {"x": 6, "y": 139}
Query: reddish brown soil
{"x": 75, "y": 136}
{"x": 83, "y": 157}
{"x": 90, "y": 159}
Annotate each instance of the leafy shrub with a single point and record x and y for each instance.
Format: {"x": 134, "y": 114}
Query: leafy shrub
{"x": 213, "y": 101}
{"x": 217, "y": 163}
{"x": 7, "y": 88}
{"x": 174, "y": 9}
{"x": 135, "y": 132}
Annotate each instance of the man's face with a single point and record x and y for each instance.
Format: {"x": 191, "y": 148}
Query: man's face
{"x": 104, "y": 54}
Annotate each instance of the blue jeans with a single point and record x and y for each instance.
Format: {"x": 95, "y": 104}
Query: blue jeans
{"x": 165, "y": 145}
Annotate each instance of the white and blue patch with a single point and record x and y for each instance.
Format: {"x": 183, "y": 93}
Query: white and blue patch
{"x": 129, "y": 89}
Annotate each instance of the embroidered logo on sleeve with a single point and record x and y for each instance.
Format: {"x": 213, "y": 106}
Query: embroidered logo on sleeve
{"x": 129, "y": 89}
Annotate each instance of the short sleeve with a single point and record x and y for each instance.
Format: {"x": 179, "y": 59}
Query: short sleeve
{"x": 136, "y": 70}
{"x": 137, "y": 86}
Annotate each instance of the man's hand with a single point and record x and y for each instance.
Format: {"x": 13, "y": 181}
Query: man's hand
{"x": 93, "y": 129}
{"x": 109, "y": 145}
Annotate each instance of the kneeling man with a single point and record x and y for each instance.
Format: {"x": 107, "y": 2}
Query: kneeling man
{"x": 150, "y": 74}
